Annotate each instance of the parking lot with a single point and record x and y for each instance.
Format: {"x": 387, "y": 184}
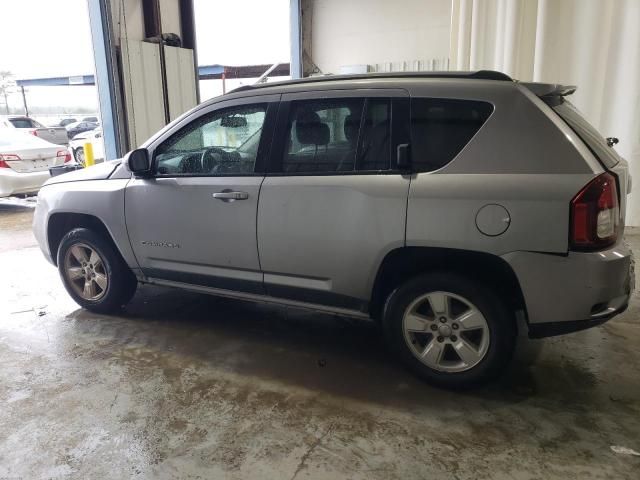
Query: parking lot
{"x": 191, "y": 386}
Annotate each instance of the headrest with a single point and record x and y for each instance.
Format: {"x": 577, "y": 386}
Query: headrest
{"x": 310, "y": 130}
{"x": 351, "y": 127}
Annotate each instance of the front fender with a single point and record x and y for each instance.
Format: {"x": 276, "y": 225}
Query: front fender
{"x": 102, "y": 199}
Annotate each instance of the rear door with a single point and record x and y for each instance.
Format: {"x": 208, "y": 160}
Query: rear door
{"x": 333, "y": 202}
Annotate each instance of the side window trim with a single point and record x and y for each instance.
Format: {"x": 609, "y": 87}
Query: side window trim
{"x": 263, "y": 147}
{"x": 359, "y": 141}
{"x": 400, "y": 127}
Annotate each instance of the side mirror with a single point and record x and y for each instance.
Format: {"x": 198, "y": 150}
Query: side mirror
{"x": 138, "y": 162}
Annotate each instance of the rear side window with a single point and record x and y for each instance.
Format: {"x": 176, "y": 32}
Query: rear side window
{"x": 338, "y": 136}
{"x": 322, "y": 136}
{"x": 440, "y": 129}
{"x": 587, "y": 133}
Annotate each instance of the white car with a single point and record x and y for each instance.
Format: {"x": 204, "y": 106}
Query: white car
{"x": 57, "y": 135}
{"x": 95, "y": 138}
{"x": 25, "y": 161}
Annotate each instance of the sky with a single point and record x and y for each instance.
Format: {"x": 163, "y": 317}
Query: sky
{"x": 58, "y": 41}
{"x": 242, "y": 32}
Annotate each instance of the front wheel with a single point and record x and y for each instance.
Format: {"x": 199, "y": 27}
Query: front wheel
{"x": 93, "y": 272}
{"x": 452, "y": 331}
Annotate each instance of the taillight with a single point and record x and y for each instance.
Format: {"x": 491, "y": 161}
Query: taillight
{"x": 595, "y": 214}
{"x": 65, "y": 154}
{"x": 33, "y": 132}
{"x": 6, "y": 157}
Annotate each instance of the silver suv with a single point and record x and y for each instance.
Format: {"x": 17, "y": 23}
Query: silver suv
{"x": 448, "y": 207}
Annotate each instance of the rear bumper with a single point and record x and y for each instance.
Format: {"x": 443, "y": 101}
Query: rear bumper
{"x": 15, "y": 183}
{"x": 551, "y": 329}
{"x": 567, "y": 293}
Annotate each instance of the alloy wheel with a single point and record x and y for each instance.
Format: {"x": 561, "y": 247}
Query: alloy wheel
{"x": 446, "y": 332}
{"x": 85, "y": 271}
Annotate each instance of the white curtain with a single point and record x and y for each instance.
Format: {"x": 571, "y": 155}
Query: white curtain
{"x": 594, "y": 44}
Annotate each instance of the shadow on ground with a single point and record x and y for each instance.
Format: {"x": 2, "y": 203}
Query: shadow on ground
{"x": 333, "y": 355}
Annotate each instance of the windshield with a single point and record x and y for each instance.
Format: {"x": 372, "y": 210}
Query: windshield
{"x": 588, "y": 134}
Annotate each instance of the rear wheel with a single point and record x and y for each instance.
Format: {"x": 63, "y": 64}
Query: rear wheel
{"x": 78, "y": 153}
{"x": 93, "y": 272}
{"x": 450, "y": 330}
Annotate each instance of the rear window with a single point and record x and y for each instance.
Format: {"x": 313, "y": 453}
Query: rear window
{"x": 21, "y": 123}
{"x": 440, "y": 129}
{"x": 589, "y": 135}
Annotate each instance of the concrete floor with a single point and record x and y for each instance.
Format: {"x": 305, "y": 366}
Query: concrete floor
{"x": 190, "y": 386}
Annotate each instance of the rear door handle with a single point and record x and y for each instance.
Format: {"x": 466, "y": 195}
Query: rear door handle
{"x": 229, "y": 196}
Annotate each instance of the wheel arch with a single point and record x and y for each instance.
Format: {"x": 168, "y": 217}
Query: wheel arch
{"x": 61, "y": 223}
{"x": 403, "y": 263}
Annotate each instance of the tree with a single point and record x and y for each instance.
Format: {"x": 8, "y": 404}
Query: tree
{"x": 6, "y": 83}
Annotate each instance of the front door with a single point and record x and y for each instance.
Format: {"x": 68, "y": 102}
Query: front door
{"x": 194, "y": 220}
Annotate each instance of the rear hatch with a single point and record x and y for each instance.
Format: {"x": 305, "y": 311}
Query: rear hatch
{"x": 599, "y": 146}
{"x": 57, "y": 135}
{"x": 555, "y": 96}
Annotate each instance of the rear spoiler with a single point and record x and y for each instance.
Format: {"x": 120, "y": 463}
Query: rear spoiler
{"x": 543, "y": 90}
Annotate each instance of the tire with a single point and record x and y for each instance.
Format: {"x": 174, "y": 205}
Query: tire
{"x": 85, "y": 257}
{"x": 78, "y": 154}
{"x": 465, "y": 347}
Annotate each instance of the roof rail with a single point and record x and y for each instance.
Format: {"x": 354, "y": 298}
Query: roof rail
{"x": 476, "y": 75}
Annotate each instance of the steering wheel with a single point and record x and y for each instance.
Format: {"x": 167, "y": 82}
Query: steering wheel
{"x": 211, "y": 158}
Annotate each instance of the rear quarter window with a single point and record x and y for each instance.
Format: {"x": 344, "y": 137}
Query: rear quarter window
{"x": 441, "y": 128}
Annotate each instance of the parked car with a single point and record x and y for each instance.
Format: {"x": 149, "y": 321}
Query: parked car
{"x": 452, "y": 208}
{"x": 91, "y": 119}
{"x": 25, "y": 161}
{"x": 66, "y": 121}
{"x": 75, "y": 128}
{"x": 92, "y": 136}
{"x": 57, "y": 135}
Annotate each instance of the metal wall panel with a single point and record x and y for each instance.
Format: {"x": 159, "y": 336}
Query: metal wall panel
{"x": 143, "y": 90}
{"x": 181, "y": 80}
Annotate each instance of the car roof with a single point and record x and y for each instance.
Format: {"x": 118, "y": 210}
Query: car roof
{"x": 474, "y": 75}
{"x": 368, "y": 79}
{"x": 392, "y": 80}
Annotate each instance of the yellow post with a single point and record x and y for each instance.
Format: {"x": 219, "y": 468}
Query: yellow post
{"x": 88, "y": 155}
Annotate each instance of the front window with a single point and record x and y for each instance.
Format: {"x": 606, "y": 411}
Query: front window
{"x": 224, "y": 142}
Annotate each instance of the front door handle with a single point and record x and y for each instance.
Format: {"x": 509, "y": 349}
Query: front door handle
{"x": 230, "y": 196}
